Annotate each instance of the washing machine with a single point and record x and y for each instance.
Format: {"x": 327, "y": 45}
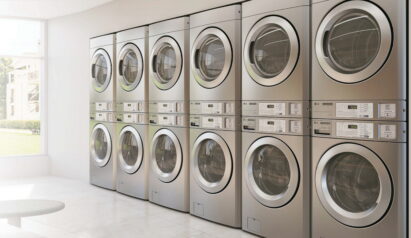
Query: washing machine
{"x": 358, "y": 53}
{"x": 103, "y": 71}
{"x": 276, "y": 58}
{"x": 103, "y": 150}
{"x": 215, "y": 42}
{"x": 169, "y": 67}
{"x": 169, "y": 161}
{"x": 132, "y": 154}
{"x": 359, "y": 175}
{"x": 276, "y": 177}
{"x": 215, "y": 169}
{"x": 132, "y": 72}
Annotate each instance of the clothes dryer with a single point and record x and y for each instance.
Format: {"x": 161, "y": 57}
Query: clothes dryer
{"x": 103, "y": 150}
{"x": 215, "y": 41}
{"x": 132, "y": 72}
{"x": 103, "y": 71}
{"x": 132, "y": 155}
{"x": 169, "y": 67}
{"x": 215, "y": 166}
{"x": 276, "y": 58}
{"x": 359, "y": 179}
{"x": 169, "y": 161}
{"x": 276, "y": 177}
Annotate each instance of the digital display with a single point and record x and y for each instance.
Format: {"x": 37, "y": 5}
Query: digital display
{"x": 210, "y": 105}
{"x": 270, "y": 106}
{"x": 270, "y": 123}
{"x": 353, "y": 107}
{"x": 210, "y": 119}
{"x": 352, "y": 126}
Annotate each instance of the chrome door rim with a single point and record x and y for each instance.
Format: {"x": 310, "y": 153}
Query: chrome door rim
{"x": 130, "y": 169}
{"x": 96, "y": 86}
{"x": 385, "y": 45}
{"x": 204, "y": 184}
{"x": 228, "y": 59}
{"x": 124, "y": 50}
{"x": 166, "y": 177}
{"x": 294, "y": 50}
{"x": 179, "y": 62}
{"x": 361, "y": 219}
{"x": 97, "y": 161}
{"x": 269, "y": 200}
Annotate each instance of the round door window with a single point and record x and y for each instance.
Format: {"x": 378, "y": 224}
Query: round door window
{"x": 353, "y": 185}
{"x": 166, "y": 63}
{"x": 271, "y": 51}
{"x": 131, "y": 150}
{"x": 100, "y": 145}
{"x": 271, "y": 172}
{"x": 166, "y": 155}
{"x": 353, "y": 41}
{"x": 130, "y": 67}
{"x": 212, "y": 163}
{"x": 101, "y": 70}
{"x": 211, "y": 57}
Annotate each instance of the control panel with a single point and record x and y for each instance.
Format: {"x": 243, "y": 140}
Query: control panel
{"x": 133, "y": 118}
{"x": 174, "y": 120}
{"x": 215, "y": 122}
{"x": 102, "y": 106}
{"x": 297, "y": 126}
{"x": 214, "y": 108}
{"x": 361, "y": 130}
{"x": 103, "y": 116}
{"x": 132, "y": 106}
{"x": 167, "y": 107}
{"x": 275, "y": 109}
{"x": 380, "y": 111}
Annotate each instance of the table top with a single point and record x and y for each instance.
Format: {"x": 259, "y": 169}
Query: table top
{"x": 28, "y": 207}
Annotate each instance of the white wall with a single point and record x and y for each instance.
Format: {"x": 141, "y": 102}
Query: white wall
{"x": 68, "y": 58}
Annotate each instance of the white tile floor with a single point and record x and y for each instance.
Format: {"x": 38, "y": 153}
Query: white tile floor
{"x": 93, "y": 212}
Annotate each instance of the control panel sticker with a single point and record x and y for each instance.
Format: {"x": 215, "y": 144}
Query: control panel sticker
{"x": 212, "y": 108}
{"x": 387, "y": 132}
{"x": 180, "y": 107}
{"x": 387, "y": 111}
{"x": 229, "y": 123}
{"x": 296, "y": 109}
{"x": 271, "y": 125}
{"x": 271, "y": 109}
{"x": 229, "y": 108}
{"x": 212, "y": 122}
{"x": 296, "y": 126}
{"x": 166, "y": 120}
{"x": 355, "y": 130}
{"x": 166, "y": 107}
{"x": 101, "y": 117}
{"x": 130, "y": 107}
{"x": 354, "y": 110}
{"x": 130, "y": 118}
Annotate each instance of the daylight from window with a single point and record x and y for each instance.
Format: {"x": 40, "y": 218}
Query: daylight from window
{"x": 21, "y": 62}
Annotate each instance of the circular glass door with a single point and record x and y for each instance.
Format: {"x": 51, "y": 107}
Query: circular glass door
{"x": 101, "y": 70}
{"x": 100, "y": 147}
{"x": 131, "y": 150}
{"x": 130, "y": 67}
{"x": 271, "y": 172}
{"x": 353, "y": 185}
{"x": 211, "y": 163}
{"x": 166, "y": 63}
{"x": 166, "y": 155}
{"x": 211, "y": 57}
{"x": 353, "y": 41}
{"x": 271, "y": 51}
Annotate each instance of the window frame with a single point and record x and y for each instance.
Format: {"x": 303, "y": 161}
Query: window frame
{"x": 43, "y": 94}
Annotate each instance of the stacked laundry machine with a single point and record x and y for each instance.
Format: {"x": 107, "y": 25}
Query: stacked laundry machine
{"x": 168, "y": 108}
{"x": 103, "y": 164}
{"x": 275, "y": 118}
{"x": 215, "y": 101}
{"x": 132, "y": 112}
{"x": 359, "y": 149}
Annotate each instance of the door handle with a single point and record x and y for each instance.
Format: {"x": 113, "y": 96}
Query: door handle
{"x": 155, "y": 64}
{"x": 120, "y": 67}
{"x": 251, "y": 52}
{"x": 325, "y": 43}
{"x": 196, "y": 58}
{"x": 93, "y": 70}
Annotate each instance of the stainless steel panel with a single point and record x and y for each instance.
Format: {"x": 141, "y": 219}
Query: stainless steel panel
{"x": 217, "y": 15}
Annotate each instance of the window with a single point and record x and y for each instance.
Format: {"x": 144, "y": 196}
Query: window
{"x": 21, "y": 82}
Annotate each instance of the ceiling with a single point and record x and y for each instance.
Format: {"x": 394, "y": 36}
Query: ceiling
{"x": 45, "y": 9}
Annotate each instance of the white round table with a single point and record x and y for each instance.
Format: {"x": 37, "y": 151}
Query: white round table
{"x": 14, "y": 210}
